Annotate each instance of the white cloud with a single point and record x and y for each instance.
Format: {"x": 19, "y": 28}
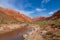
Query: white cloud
{"x": 51, "y": 13}
{"x": 40, "y": 9}
{"x": 24, "y": 4}
{"x": 45, "y": 1}
{"x": 7, "y": 4}
{"x": 28, "y": 13}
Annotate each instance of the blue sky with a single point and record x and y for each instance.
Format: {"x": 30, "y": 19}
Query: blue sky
{"x": 32, "y": 8}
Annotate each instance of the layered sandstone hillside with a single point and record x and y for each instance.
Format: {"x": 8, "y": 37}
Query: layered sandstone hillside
{"x": 8, "y": 14}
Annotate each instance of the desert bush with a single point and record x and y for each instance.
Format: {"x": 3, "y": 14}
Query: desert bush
{"x": 45, "y": 23}
{"x": 49, "y": 35}
{"x": 3, "y": 22}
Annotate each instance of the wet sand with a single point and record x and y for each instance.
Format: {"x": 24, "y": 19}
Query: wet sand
{"x": 15, "y": 34}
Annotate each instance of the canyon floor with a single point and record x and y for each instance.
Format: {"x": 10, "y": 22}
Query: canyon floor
{"x": 19, "y": 32}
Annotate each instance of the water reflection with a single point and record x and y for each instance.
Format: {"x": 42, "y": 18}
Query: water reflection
{"x": 18, "y": 37}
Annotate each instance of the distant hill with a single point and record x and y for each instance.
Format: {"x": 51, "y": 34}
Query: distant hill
{"x": 12, "y": 15}
{"x": 39, "y": 18}
{"x": 55, "y": 16}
